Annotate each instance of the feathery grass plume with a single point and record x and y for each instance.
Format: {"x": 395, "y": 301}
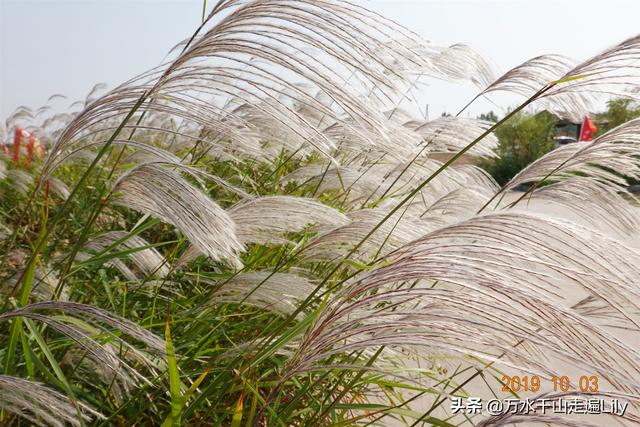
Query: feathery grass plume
{"x": 53, "y": 125}
{"x": 437, "y": 139}
{"x": 609, "y": 158}
{"x": 299, "y": 42}
{"x": 41, "y": 405}
{"x": 597, "y": 204}
{"x": 603, "y": 161}
{"x": 279, "y": 292}
{"x": 145, "y": 153}
{"x": 86, "y": 312}
{"x": 116, "y": 263}
{"x": 601, "y": 313}
{"x": 357, "y": 184}
{"x": 21, "y": 180}
{"x": 108, "y": 358}
{"x": 59, "y": 188}
{"x": 534, "y": 74}
{"x": 261, "y": 66}
{"x": 164, "y": 194}
{"x": 400, "y": 144}
{"x": 190, "y": 254}
{"x": 336, "y": 243}
{"x": 478, "y": 179}
{"x": 88, "y": 366}
{"x": 527, "y": 268}
{"x": 43, "y": 110}
{"x": 21, "y": 113}
{"x": 266, "y": 219}
{"x": 56, "y": 96}
{"x": 144, "y": 256}
{"x": 458, "y": 62}
{"x": 403, "y": 178}
{"x": 109, "y": 361}
{"x": 45, "y": 282}
{"x": 458, "y": 205}
{"x": 448, "y": 135}
{"x": 602, "y": 271}
{"x": 3, "y": 170}
{"x": 368, "y": 183}
{"x": 613, "y": 72}
{"x": 92, "y": 95}
{"x": 113, "y": 366}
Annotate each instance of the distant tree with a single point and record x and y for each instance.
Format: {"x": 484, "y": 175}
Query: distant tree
{"x": 490, "y": 117}
{"x": 618, "y": 111}
{"x": 445, "y": 114}
{"x": 521, "y": 140}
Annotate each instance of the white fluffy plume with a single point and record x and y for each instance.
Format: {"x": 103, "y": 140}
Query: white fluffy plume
{"x": 163, "y": 193}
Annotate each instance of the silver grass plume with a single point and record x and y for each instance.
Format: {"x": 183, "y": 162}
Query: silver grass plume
{"x": 576, "y": 86}
{"x": 596, "y": 204}
{"x": 356, "y": 59}
{"x": 265, "y": 219}
{"x": 451, "y": 134}
{"x": 147, "y": 154}
{"x": 461, "y": 62}
{"x": 366, "y": 184}
{"x": 21, "y": 180}
{"x": 279, "y": 292}
{"x": 613, "y": 72}
{"x": 45, "y": 282}
{"x": 458, "y": 205}
{"x": 356, "y": 183}
{"x": 528, "y": 268}
{"x": 534, "y": 74}
{"x": 42, "y": 405}
{"x": 163, "y": 193}
{"x": 116, "y": 263}
{"x": 336, "y": 243}
{"x": 144, "y": 257}
{"x": 96, "y": 316}
{"x": 59, "y": 188}
{"x": 607, "y": 159}
{"x": 113, "y": 366}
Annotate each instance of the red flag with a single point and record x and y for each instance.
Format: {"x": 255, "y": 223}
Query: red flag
{"x": 588, "y": 129}
{"x": 33, "y": 143}
{"x": 17, "y": 136}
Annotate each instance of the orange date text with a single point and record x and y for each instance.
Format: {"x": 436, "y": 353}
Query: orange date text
{"x": 533, "y": 383}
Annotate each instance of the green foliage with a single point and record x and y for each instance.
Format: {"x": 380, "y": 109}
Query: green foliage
{"x": 521, "y": 140}
{"x": 618, "y": 111}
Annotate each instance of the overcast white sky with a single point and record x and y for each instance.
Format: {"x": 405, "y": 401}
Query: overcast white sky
{"x": 64, "y": 46}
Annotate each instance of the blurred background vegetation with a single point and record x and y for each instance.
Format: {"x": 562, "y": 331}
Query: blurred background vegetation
{"x": 526, "y": 137}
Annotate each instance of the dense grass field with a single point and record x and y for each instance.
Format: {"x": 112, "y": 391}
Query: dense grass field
{"x": 261, "y": 231}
